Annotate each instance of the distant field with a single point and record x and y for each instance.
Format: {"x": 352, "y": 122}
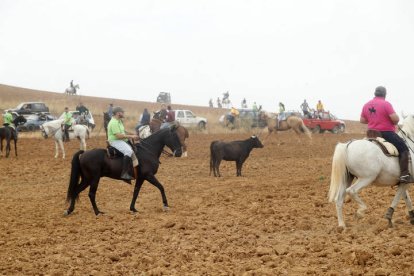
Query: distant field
{"x": 11, "y": 96}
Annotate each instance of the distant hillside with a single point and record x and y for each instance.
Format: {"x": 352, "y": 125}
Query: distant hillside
{"x": 11, "y": 96}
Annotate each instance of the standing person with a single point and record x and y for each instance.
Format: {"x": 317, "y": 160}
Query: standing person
{"x": 380, "y": 116}
{"x": 110, "y": 110}
{"x": 210, "y": 103}
{"x": 281, "y": 107}
{"x": 218, "y": 102}
{"x": 319, "y": 107}
{"x": 82, "y": 109}
{"x": 67, "y": 123}
{"x": 305, "y": 108}
{"x": 244, "y": 103}
{"x": 118, "y": 138}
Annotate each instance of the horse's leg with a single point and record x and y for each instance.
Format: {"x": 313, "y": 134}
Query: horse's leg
{"x": 15, "y": 146}
{"x": 8, "y": 147}
{"x": 138, "y": 185}
{"x": 401, "y": 191}
{"x": 56, "y": 148}
{"x": 154, "y": 181}
{"x": 353, "y": 192}
{"x": 82, "y": 186}
{"x": 409, "y": 205}
{"x": 92, "y": 194}
{"x": 62, "y": 147}
{"x": 340, "y": 202}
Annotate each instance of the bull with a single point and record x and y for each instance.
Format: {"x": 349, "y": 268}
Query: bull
{"x": 231, "y": 151}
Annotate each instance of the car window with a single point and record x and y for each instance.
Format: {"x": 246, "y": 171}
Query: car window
{"x": 189, "y": 114}
{"x": 180, "y": 114}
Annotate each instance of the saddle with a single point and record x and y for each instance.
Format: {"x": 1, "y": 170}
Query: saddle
{"x": 387, "y": 148}
{"x": 113, "y": 153}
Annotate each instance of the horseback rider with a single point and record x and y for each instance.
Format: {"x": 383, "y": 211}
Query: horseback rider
{"x": 71, "y": 84}
{"x": 281, "y": 116}
{"x": 110, "y": 110}
{"x": 163, "y": 113}
{"x": 144, "y": 120}
{"x": 225, "y": 96}
{"x": 232, "y": 115}
{"x": 8, "y": 122}
{"x": 66, "y": 124}
{"x": 210, "y": 103}
{"x": 244, "y": 103}
{"x": 118, "y": 138}
{"x": 380, "y": 116}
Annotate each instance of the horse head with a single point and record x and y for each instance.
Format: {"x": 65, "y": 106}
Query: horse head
{"x": 49, "y": 127}
{"x": 19, "y": 120}
{"x": 408, "y": 125}
{"x": 172, "y": 141}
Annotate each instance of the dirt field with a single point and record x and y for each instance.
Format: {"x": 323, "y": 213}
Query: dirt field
{"x": 275, "y": 220}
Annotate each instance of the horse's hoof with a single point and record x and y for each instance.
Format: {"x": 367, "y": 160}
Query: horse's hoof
{"x": 388, "y": 215}
{"x": 166, "y": 208}
{"x": 66, "y": 213}
{"x": 99, "y": 213}
{"x": 133, "y": 210}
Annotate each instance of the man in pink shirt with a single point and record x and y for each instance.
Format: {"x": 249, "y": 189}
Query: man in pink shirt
{"x": 380, "y": 116}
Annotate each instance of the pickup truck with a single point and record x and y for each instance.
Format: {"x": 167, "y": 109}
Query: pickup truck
{"x": 187, "y": 119}
{"x": 319, "y": 122}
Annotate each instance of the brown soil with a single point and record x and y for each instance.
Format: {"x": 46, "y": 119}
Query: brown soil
{"x": 275, "y": 220}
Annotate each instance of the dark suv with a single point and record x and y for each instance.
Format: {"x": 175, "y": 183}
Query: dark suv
{"x": 30, "y": 108}
{"x": 164, "y": 97}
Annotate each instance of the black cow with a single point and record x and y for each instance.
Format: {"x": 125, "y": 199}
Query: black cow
{"x": 231, "y": 151}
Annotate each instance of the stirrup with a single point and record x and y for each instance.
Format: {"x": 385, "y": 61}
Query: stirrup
{"x": 404, "y": 179}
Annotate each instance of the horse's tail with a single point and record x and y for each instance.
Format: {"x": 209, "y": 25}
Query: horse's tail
{"x": 74, "y": 176}
{"x": 339, "y": 173}
{"x": 306, "y": 130}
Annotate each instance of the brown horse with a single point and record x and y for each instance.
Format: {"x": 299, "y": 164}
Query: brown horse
{"x": 182, "y": 133}
{"x": 292, "y": 122}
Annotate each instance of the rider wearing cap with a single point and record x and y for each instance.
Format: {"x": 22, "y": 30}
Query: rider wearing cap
{"x": 67, "y": 123}
{"x": 118, "y": 139}
{"x": 380, "y": 116}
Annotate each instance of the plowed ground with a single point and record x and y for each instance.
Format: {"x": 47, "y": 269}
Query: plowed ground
{"x": 274, "y": 220}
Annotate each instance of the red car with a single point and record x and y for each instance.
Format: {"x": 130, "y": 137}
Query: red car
{"x": 318, "y": 122}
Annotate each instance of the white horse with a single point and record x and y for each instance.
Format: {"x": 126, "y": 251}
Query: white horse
{"x": 72, "y": 90}
{"x": 365, "y": 161}
{"x": 54, "y": 128}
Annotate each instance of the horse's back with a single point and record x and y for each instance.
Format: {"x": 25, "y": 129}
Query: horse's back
{"x": 365, "y": 159}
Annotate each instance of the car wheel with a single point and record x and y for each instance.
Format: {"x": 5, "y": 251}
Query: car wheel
{"x": 317, "y": 129}
{"x": 335, "y": 130}
{"x": 341, "y": 128}
{"x": 202, "y": 125}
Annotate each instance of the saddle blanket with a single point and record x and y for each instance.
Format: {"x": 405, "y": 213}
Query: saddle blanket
{"x": 388, "y": 148}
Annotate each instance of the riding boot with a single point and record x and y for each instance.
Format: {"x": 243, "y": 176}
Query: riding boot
{"x": 405, "y": 176}
{"x": 126, "y": 167}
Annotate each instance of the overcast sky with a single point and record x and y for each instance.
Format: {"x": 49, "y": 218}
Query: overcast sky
{"x": 266, "y": 51}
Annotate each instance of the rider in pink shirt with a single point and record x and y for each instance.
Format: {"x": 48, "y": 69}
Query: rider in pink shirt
{"x": 380, "y": 116}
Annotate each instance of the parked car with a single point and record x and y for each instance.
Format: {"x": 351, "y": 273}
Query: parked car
{"x": 164, "y": 97}
{"x": 27, "y": 108}
{"x": 90, "y": 122}
{"x": 34, "y": 121}
{"x": 318, "y": 122}
{"x": 187, "y": 119}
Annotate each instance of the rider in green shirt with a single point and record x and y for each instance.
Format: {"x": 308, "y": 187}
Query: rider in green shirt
{"x": 8, "y": 119}
{"x": 118, "y": 138}
{"x": 67, "y": 123}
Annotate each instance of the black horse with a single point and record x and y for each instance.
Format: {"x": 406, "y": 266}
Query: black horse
{"x": 91, "y": 165}
{"x": 8, "y": 133}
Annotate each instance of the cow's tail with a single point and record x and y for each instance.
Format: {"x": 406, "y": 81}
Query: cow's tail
{"x": 75, "y": 175}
